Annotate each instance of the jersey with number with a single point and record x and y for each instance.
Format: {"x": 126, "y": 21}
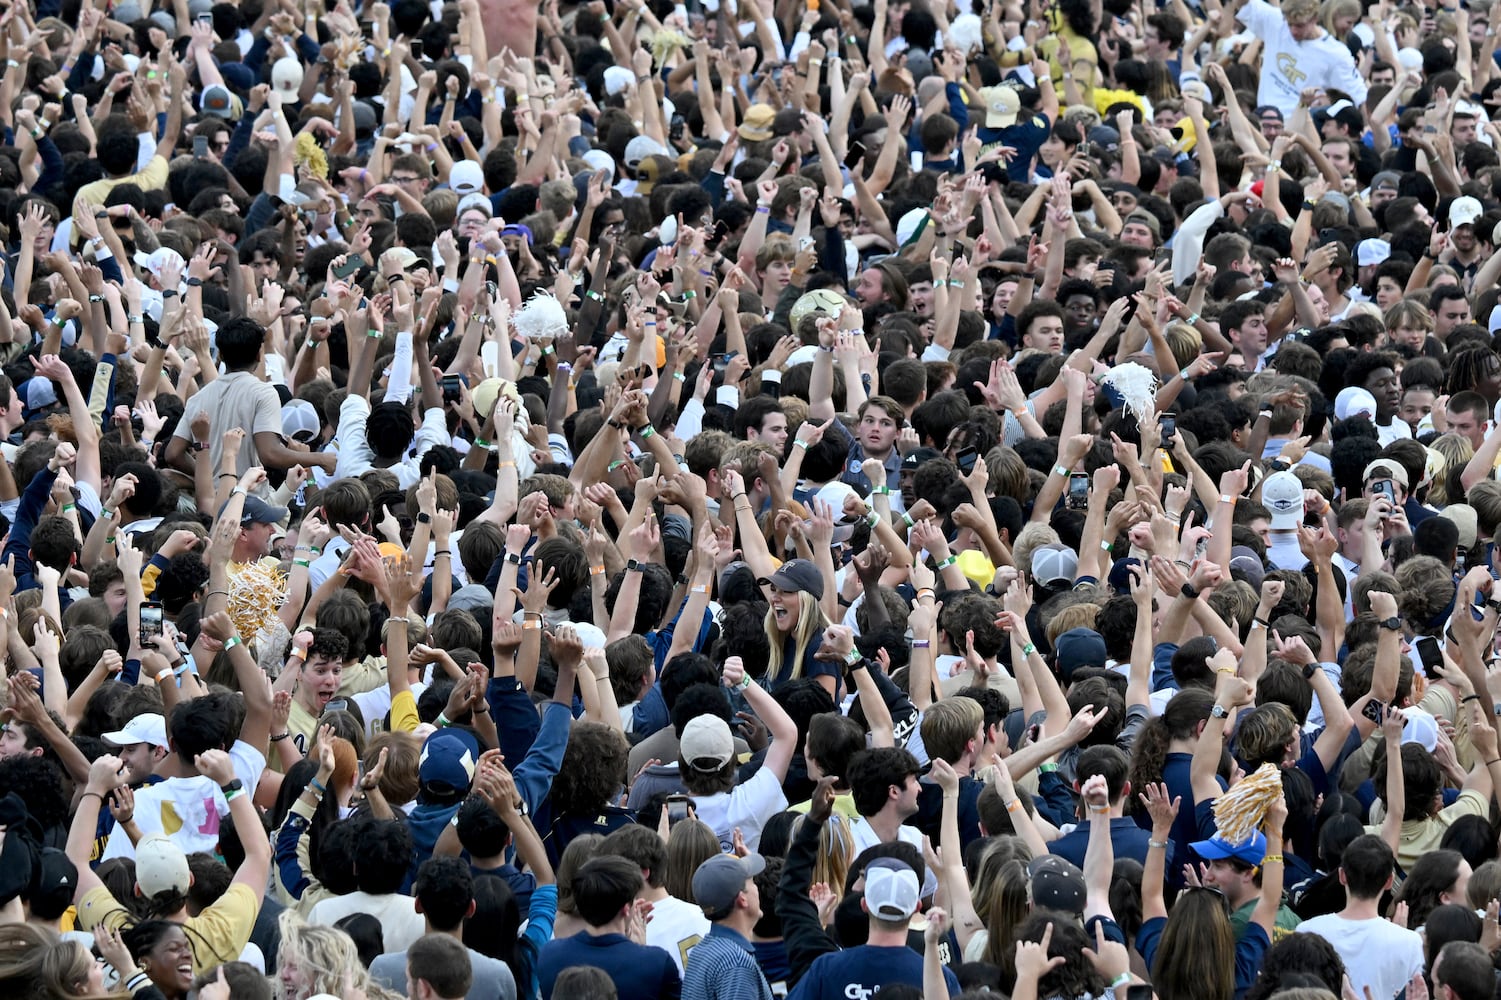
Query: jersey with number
{"x": 675, "y": 927}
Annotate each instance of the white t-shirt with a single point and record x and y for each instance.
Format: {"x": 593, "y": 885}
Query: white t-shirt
{"x": 400, "y": 923}
{"x": 675, "y": 927}
{"x": 1397, "y": 430}
{"x": 187, "y": 810}
{"x": 375, "y": 703}
{"x": 749, "y": 805}
{"x": 1377, "y": 953}
{"x": 864, "y": 835}
{"x": 1283, "y": 552}
{"x": 1288, "y": 66}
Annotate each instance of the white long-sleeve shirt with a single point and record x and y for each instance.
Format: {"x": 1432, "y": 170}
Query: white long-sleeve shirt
{"x": 1188, "y": 241}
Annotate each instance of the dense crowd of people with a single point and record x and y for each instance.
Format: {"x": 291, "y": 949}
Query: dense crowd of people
{"x": 745, "y": 500}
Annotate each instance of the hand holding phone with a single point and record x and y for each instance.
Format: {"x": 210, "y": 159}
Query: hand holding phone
{"x": 151, "y": 621}
{"x": 1078, "y": 491}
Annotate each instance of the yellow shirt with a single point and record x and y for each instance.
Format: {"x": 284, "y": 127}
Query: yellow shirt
{"x": 217, "y": 935}
{"x": 1079, "y": 50}
{"x": 150, "y": 179}
{"x": 844, "y": 805}
{"x": 303, "y": 726}
{"x": 404, "y": 712}
{"x": 1421, "y": 836}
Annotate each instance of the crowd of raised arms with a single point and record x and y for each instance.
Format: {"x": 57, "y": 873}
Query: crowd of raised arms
{"x": 744, "y": 499}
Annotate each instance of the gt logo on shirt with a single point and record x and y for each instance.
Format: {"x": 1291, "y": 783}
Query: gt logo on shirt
{"x": 854, "y": 991}
{"x": 1287, "y": 65}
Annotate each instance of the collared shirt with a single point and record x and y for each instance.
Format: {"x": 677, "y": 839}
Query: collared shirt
{"x": 855, "y": 477}
{"x": 723, "y": 967}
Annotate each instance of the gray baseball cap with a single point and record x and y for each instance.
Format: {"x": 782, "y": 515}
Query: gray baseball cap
{"x": 720, "y": 879}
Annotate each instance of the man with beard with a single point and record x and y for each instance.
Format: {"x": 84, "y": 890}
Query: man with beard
{"x": 1464, "y": 243}
{"x": 1375, "y": 372}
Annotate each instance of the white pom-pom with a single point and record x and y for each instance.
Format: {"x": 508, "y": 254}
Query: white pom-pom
{"x": 1136, "y": 385}
{"x": 966, "y": 33}
{"x": 542, "y": 316}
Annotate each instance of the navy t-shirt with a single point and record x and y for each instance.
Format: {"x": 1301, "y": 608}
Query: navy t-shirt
{"x": 1026, "y": 137}
{"x": 1175, "y": 774}
{"x": 1249, "y": 950}
{"x": 811, "y": 667}
{"x": 863, "y": 972}
{"x": 638, "y": 971}
{"x": 771, "y": 956}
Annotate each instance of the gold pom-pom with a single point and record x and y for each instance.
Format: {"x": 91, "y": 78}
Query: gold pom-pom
{"x": 1239, "y": 811}
{"x": 256, "y": 593}
{"x": 665, "y": 43}
{"x": 310, "y": 156}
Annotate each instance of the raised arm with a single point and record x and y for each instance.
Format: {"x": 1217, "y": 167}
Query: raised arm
{"x": 1163, "y": 812}
{"x": 778, "y": 722}
{"x": 1099, "y": 855}
{"x": 1272, "y": 870}
{"x": 1231, "y": 693}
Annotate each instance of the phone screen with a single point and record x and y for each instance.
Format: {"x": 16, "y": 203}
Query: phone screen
{"x": 151, "y": 620}
{"x": 200, "y": 146}
{"x": 1078, "y": 491}
{"x": 967, "y": 459}
{"x": 1431, "y": 656}
{"x": 677, "y": 809}
{"x": 451, "y": 384}
{"x": 1169, "y": 427}
{"x": 417, "y": 50}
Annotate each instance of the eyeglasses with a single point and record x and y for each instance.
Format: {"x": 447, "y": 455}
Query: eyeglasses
{"x": 407, "y": 179}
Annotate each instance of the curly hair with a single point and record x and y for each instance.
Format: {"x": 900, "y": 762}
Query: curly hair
{"x": 323, "y": 956}
{"x": 1076, "y": 976}
{"x": 593, "y": 770}
{"x": 1300, "y": 955}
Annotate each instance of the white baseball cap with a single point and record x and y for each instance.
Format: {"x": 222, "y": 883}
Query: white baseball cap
{"x": 161, "y": 866}
{"x": 707, "y": 740}
{"x": 146, "y": 728}
{"x": 1371, "y": 252}
{"x": 1282, "y": 494}
{"x": 466, "y": 177}
{"x": 1464, "y": 211}
{"x": 891, "y": 889}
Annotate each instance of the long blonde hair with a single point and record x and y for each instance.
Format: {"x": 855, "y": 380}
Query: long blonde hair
{"x": 836, "y": 850}
{"x": 324, "y": 955}
{"x": 65, "y": 971}
{"x": 810, "y": 619}
{"x": 1457, "y": 451}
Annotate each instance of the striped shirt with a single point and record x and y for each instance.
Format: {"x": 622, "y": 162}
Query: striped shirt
{"x": 723, "y": 967}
